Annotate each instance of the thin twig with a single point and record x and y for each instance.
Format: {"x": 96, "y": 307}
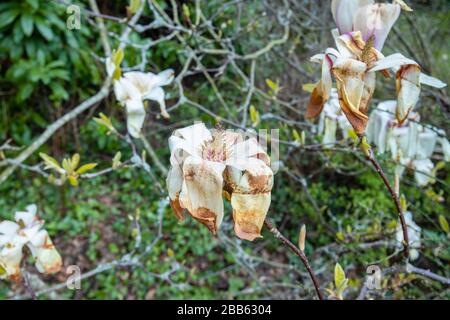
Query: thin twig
{"x": 394, "y": 196}
{"x": 298, "y": 252}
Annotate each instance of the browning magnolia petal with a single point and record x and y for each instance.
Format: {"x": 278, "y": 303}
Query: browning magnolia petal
{"x": 207, "y": 164}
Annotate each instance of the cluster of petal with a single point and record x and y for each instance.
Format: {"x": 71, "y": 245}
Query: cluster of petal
{"x": 209, "y": 164}
{"x": 133, "y": 88}
{"x": 410, "y": 144}
{"x": 331, "y": 119}
{"x": 26, "y": 231}
{"x": 363, "y": 27}
{"x": 414, "y": 232}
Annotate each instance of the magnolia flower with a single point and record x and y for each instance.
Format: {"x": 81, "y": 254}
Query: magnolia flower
{"x": 27, "y": 230}
{"x": 135, "y": 87}
{"x": 331, "y": 118}
{"x": 414, "y": 232}
{"x": 410, "y": 144}
{"x": 362, "y": 30}
{"x": 208, "y": 163}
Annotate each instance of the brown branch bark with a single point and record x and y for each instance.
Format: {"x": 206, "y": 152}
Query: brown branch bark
{"x": 394, "y": 196}
{"x": 298, "y": 252}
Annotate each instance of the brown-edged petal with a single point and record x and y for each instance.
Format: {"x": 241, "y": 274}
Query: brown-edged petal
{"x": 250, "y": 198}
{"x": 350, "y": 75}
{"x": 201, "y": 192}
{"x": 408, "y": 90}
{"x": 321, "y": 92}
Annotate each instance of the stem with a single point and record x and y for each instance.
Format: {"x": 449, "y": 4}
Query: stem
{"x": 148, "y": 147}
{"x": 298, "y": 252}
{"x": 370, "y": 156}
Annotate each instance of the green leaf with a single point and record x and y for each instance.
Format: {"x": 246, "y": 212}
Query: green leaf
{"x": 86, "y": 167}
{"x": 26, "y": 21}
{"x": 134, "y": 6}
{"x": 272, "y": 85}
{"x": 50, "y": 162}
{"x": 73, "y": 181}
{"x": 444, "y": 224}
{"x": 45, "y": 30}
{"x": 8, "y": 17}
{"x": 254, "y": 115}
{"x": 309, "y": 87}
{"x": 339, "y": 275}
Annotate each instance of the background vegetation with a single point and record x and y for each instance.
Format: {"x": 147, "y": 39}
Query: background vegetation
{"x": 46, "y": 70}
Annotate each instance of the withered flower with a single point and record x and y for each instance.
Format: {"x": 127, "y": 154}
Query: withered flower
{"x": 208, "y": 164}
{"x": 363, "y": 27}
{"x": 27, "y": 230}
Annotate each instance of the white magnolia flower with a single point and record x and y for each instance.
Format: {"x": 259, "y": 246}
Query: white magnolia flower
{"x": 27, "y": 230}
{"x": 363, "y": 27}
{"x": 133, "y": 88}
{"x": 410, "y": 143}
{"x": 332, "y": 118}
{"x": 414, "y": 232}
{"x": 208, "y": 163}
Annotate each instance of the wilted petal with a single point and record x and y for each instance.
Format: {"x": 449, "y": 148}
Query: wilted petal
{"x": 241, "y": 154}
{"x": 423, "y": 173}
{"x": 376, "y": 20}
{"x": 250, "y": 198}
{"x": 426, "y": 144}
{"x": 321, "y": 92}
{"x": 47, "y": 257}
{"x": 408, "y": 90}
{"x": 394, "y": 61}
{"x": 10, "y": 258}
{"x": 414, "y": 234}
{"x": 135, "y": 117}
{"x": 26, "y": 217}
{"x": 125, "y": 90}
{"x": 329, "y": 136}
{"x": 157, "y": 94}
{"x": 174, "y": 183}
{"x": 344, "y": 12}
{"x": 432, "y": 82}
{"x": 164, "y": 78}
{"x": 350, "y": 76}
{"x": 378, "y": 126}
{"x": 202, "y": 195}
{"x": 8, "y": 230}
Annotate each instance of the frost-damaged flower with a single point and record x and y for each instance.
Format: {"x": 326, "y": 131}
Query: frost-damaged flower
{"x": 206, "y": 164}
{"x": 363, "y": 27}
{"x": 133, "y": 88}
{"x": 332, "y": 118}
{"x": 27, "y": 230}
{"x": 411, "y": 144}
{"x": 414, "y": 232}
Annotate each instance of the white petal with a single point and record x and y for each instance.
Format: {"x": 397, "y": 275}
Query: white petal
{"x": 164, "y": 77}
{"x": 344, "y": 12}
{"x": 408, "y": 87}
{"x": 27, "y": 217}
{"x": 8, "y": 229}
{"x": 393, "y": 61}
{"x": 157, "y": 94}
{"x": 135, "y": 117}
{"x": 423, "y": 171}
{"x": 202, "y": 195}
{"x": 432, "y": 82}
{"x": 376, "y": 20}
{"x": 174, "y": 181}
{"x": 47, "y": 257}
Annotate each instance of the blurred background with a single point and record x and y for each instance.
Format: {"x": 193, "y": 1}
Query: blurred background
{"x": 47, "y": 70}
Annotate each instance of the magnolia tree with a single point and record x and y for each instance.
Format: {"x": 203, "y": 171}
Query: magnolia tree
{"x": 211, "y": 164}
